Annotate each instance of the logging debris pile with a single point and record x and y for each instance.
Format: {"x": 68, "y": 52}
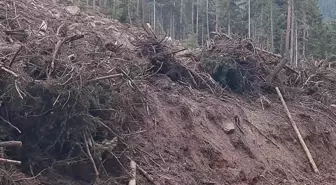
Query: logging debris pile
{"x": 74, "y": 89}
{"x": 239, "y": 65}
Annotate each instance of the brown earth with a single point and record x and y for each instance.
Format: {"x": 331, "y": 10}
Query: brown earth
{"x": 188, "y": 144}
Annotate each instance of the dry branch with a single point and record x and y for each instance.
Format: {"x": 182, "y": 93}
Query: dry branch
{"x": 2, "y": 160}
{"x": 268, "y": 52}
{"x": 105, "y": 77}
{"x": 57, "y": 48}
{"x": 11, "y": 144}
{"x": 133, "y": 172}
{"x": 15, "y": 55}
{"x": 150, "y": 178}
{"x": 303, "y": 144}
{"x": 90, "y": 156}
{"x": 10, "y": 72}
{"x": 11, "y": 125}
{"x": 277, "y": 69}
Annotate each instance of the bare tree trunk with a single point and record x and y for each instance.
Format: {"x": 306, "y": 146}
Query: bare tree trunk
{"x": 217, "y": 17}
{"x": 154, "y": 15}
{"x": 181, "y": 21}
{"x": 272, "y": 28}
{"x": 229, "y": 18}
{"x": 296, "y": 46}
{"x": 143, "y": 11}
{"x": 137, "y": 8}
{"x": 207, "y": 19}
{"x": 292, "y": 34}
{"x": 197, "y": 19}
{"x": 192, "y": 16}
{"x": 304, "y": 36}
{"x": 174, "y": 31}
{"x": 249, "y": 19}
{"x": 114, "y": 9}
{"x": 129, "y": 12}
{"x": 202, "y": 31}
{"x": 289, "y": 14}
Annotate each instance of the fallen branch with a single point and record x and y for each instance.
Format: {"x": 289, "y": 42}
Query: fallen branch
{"x": 150, "y": 30}
{"x": 11, "y": 144}
{"x": 90, "y": 157}
{"x": 15, "y": 55}
{"x": 277, "y": 69}
{"x": 268, "y": 52}
{"x": 262, "y": 133}
{"x": 57, "y": 48}
{"x": 10, "y": 72}
{"x": 11, "y": 125}
{"x": 2, "y": 160}
{"x": 73, "y": 38}
{"x": 303, "y": 144}
{"x": 133, "y": 172}
{"x": 150, "y": 178}
{"x": 105, "y": 77}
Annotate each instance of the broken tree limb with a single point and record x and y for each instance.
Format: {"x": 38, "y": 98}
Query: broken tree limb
{"x": 268, "y": 52}
{"x": 133, "y": 172}
{"x": 2, "y": 160}
{"x": 270, "y": 140}
{"x": 105, "y": 77}
{"x": 57, "y": 48}
{"x": 303, "y": 144}
{"x": 277, "y": 69}
{"x": 90, "y": 156}
{"x": 10, "y": 124}
{"x": 150, "y": 178}
{"x": 10, "y": 72}
{"x": 15, "y": 55}
{"x": 11, "y": 144}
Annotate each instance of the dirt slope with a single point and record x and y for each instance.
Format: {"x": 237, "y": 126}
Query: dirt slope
{"x": 188, "y": 142}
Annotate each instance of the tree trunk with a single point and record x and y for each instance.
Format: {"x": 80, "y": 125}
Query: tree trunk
{"x": 182, "y": 28}
{"x": 217, "y": 17}
{"x": 292, "y": 34}
{"x": 137, "y": 8}
{"x": 229, "y": 18}
{"x": 197, "y": 20}
{"x": 249, "y": 19}
{"x": 129, "y": 12}
{"x": 143, "y": 11}
{"x": 154, "y": 16}
{"x": 289, "y": 14}
{"x": 207, "y": 19}
{"x": 272, "y": 28}
{"x": 304, "y": 36}
{"x": 192, "y": 16}
{"x": 296, "y": 46}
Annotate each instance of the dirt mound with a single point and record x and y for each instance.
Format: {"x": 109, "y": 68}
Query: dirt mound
{"x": 86, "y": 95}
{"x": 197, "y": 138}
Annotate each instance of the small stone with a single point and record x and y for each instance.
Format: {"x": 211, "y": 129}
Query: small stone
{"x": 73, "y": 10}
{"x": 229, "y": 127}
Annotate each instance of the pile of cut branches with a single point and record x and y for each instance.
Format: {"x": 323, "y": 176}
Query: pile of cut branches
{"x": 68, "y": 88}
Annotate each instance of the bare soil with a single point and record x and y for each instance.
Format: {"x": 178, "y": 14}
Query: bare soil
{"x": 186, "y": 142}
